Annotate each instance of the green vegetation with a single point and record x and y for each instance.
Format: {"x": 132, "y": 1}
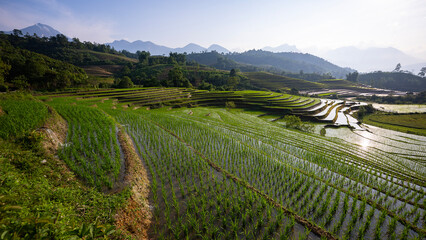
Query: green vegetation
{"x": 92, "y": 149}
{"x": 218, "y": 173}
{"x": 394, "y": 80}
{"x": 22, "y": 69}
{"x": 229, "y": 174}
{"x": 274, "y": 82}
{"x": 295, "y": 122}
{"x": 74, "y": 52}
{"x": 19, "y": 115}
{"x": 39, "y": 197}
{"x": 409, "y": 123}
{"x": 278, "y": 63}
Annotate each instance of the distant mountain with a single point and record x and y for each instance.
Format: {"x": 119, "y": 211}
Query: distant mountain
{"x": 370, "y": 59}
{"x": 281, "y": 48}
{"x": 289, "y": 62}
{"x": 42, "y": 30}
{"x": 155, "y": 49}
{"x": 192, "y": 47}
{"x": 217, "y": 48}
{"x": 135, "y": 46}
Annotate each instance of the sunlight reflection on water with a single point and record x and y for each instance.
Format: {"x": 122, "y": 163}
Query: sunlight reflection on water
{"x": 365, "y": 143}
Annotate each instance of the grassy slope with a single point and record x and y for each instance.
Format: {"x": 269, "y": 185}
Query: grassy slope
{"x": 337, "y": 83}
{"x": 409, "y": 123}
{"x": 271, "y": 81}
{"x": 108, "y": 56}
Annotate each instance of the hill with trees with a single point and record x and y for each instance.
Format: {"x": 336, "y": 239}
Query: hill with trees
{"x": 290, "y": 64}
{"x": 22, "y": 69}
{"x": 394, "y": 80}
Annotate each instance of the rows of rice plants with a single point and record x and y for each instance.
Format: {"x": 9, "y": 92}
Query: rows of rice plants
{"x": 18, "y": 116}
{"x": 352, "y": 192}
{"x": 266, "y": 167}
{"x": 193, "y": 200}
{"x": 91, "y": 149}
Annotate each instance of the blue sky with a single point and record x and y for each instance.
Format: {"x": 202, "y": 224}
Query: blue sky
{"x": 234, "y": 24}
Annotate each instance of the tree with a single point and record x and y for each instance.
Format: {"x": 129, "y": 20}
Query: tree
{"x": 17, "y": 32}
{"x": 397, "y": 68}
{"x": 233, "y": 82}
{"x": 294, "y": 91}
{"x": 125, "y": 82}
{"x": 143, "y": 56}
{"x": 353, "y": 77}
{"x": 233, "y": 73}
{"x": 177, "y": 79}
{"x": 422, "y": 72}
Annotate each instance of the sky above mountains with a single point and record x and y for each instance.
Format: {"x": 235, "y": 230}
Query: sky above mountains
{"x": 239, "y": 24}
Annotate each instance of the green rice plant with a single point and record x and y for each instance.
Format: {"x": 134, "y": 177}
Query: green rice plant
{"x": 92, "y": 149}
{"x": 20, "y": 116}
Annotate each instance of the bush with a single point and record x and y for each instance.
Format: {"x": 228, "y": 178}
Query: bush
{"x": 365, "y": 110}
{"x": 125, "y": 82}
{"x": 230, "y": 105}
{"x": 295, "y": 123}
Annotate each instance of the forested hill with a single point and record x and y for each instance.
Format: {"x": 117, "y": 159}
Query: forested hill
{"x": 75, "y": 52}
{"x": 23, "y": 69}
{"x": 394, "y": 80}
{"x": 289, "y": 62}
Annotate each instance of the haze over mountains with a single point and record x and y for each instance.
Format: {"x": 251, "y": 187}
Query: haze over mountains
{"x": 363, "y": 60}
{"x": 155, "y": 49}
{"x": 372, "y": 59}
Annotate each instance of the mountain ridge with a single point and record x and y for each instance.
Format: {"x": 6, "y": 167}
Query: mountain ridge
{"x": 156, "y": 49}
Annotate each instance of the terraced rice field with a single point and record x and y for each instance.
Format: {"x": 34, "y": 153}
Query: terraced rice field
{"x": 217, "y": 173}
{"x": 317, "y": 109}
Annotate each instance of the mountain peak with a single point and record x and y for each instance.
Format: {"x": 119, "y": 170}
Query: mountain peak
{"x": 217, "y": 48}
{"x": 42, "y": 30}
{"x": 282, "y": 48}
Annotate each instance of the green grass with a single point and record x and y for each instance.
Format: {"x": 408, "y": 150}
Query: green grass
{"x": 409, "y": 123}
{"x": 44, "y": 200}
{"x": 20, "y": 115}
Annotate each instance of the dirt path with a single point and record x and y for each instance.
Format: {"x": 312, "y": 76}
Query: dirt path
{"x": 134, "y": 218}
{"x": 55, "y": 132}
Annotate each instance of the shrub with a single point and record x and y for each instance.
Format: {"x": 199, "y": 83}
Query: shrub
{"x": 295, "y": 123}
{"x": 230, "y": 104}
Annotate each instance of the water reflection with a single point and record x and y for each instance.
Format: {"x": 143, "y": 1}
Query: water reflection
{"x": 364, "y": 143}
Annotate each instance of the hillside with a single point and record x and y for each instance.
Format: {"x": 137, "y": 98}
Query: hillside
{"x": 284, "y": 63}
{"x": 271, "y": 81}
{"x": 394, "y": 80}
{"x": 289, "y": 62}
{"x": 23, "y": 69}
